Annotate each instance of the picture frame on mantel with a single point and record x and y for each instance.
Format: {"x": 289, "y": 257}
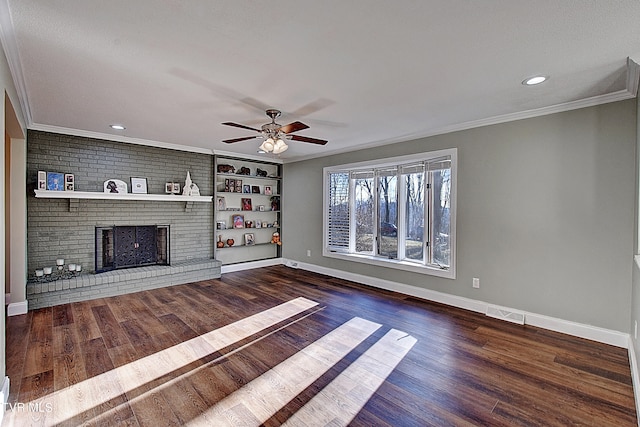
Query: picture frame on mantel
{"x": 138, "y": 185}
{"x": 115, "y": 186}
{"x": 55, "y": 181}
{"x": 42, "y": 180}
{"x": 69, "y": 182}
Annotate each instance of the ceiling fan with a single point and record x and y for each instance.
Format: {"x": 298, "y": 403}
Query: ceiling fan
{"x": 275, "y": 134}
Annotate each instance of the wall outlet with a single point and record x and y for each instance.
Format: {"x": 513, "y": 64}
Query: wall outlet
{"x": 308, "y": 252}
{"x": 476, "y": 282}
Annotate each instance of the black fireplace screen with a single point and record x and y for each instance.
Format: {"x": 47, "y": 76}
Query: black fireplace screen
{"x": 131, "y": 246}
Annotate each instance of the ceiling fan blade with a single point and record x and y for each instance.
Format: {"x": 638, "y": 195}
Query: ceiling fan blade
{"x": 307, "y": 139}
{"x": 293, "y": 127}
{"x": 240, "y": 126}
{"x": 312, "y": 107}
{"x": 229, "y": 141}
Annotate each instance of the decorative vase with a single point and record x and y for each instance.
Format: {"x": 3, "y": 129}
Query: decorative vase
{"x": 230, "y": 242}
{"x": 220, "y": 243}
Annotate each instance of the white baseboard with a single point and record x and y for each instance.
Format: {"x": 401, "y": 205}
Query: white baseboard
{"x": 607, "y": 336}
{"x": 635, "y": 377}
{"x": 251, "y": 265}
{"x": 17, "y": 308}
{"x": 4, "y": 397}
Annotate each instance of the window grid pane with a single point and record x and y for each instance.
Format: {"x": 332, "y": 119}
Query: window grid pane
{"x": 338, "y": 211}
{"x": 388, "y": 213}
{"x": 364, "y": 211}
{"x": 415, "y": 213}
{"x": 440, "y": 216}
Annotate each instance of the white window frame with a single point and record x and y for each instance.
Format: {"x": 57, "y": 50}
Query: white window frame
{"x": 399, "y": 264}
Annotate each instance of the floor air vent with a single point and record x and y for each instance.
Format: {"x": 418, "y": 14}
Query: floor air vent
{"x": 503, "y": 314}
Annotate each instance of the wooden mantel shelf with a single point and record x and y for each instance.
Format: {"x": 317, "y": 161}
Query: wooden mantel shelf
{"x": 120, "y": 196}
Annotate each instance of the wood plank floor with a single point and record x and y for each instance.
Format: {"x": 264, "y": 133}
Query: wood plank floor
{"x": 276, "y": 346}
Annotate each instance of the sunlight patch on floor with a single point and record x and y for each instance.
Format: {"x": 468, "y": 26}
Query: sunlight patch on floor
{"x": 265, "y": 395}
{"x": 341, "y": 400}
{"x": 338, "y": 403}
{"x": 67, "y": 403}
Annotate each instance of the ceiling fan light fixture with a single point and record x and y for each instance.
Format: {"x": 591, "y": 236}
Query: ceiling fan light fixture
{"x": 267, "y": 146}
{"x": 280, "y": 147}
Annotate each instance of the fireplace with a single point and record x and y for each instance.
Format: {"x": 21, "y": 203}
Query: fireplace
{"x": 131, "y": 246}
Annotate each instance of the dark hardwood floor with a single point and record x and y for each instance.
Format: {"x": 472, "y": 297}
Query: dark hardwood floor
{"x": 277, "y": 345}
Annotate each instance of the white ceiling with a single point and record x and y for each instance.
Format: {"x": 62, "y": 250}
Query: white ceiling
{"x": 358, "y": 72}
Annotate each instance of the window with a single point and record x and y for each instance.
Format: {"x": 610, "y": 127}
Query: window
{"x": 399, "y": 212}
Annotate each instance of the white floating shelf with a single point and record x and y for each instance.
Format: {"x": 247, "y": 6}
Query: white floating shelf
{"x": 120, "y": 196}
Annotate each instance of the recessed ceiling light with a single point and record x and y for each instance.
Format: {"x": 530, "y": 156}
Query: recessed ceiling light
{"x": 536, "y": 80}
{"x": 117, "y": 127}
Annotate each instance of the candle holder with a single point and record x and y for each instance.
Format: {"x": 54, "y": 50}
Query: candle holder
{"x": 47, "y": 274}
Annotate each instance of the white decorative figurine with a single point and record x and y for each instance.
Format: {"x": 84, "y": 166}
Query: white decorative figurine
{"x": 190, "y": 188}
{"x": 186, "y": 190}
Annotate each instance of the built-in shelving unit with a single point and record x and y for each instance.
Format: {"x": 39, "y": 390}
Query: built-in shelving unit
{"x": 231, "y": 188}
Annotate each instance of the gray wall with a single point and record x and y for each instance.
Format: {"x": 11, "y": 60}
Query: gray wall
{"x": 635, "y": 296}
{"x": 53, "y": 231}
{"x": 545, "y": 214}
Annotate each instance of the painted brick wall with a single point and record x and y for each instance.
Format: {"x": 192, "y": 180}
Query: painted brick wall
{"x": 54, "y": 230}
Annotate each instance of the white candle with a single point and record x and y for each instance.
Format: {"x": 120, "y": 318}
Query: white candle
{"x": 72, "y": 267}
{"x": 60, "y": 261}
{"x": 78, "y": 268}
{"x": 39, "y": 273}
{"x": 47, "y": 270}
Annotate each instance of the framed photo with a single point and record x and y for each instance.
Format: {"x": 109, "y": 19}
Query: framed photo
{"x": 246, "y": 204}
{"x": 115, "y": 186}
{"x": 221, "y": 225}
{"x": 168, "y": 187}
{"x": 221, "y": 204}
{"x": 138, "y": 185}
{"x": 55, "y": 181}
{"x": 69, "y": 182}
{"x": 258, "y": 224}
{"x": 226, "y": 185}
{"x": 255, "y": 189}
{"x": 246, "y": 188}
{"x": 249, "y": 239}
{"x": 238, "y": 186}
{"x": 232, "y": 186}
{"x": 42, "y": 180}
{"x": 261, "y": 208}
{"x": 238, "y": 221}
{"x": 267, "y": 190}
{"x": 176, "y": 188}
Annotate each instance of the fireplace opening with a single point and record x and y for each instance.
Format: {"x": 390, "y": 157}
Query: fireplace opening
{"x": 131, "y": 246}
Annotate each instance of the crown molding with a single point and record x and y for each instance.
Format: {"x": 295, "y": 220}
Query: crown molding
{"x": 630, "y": 91}
{"x": 505, "y": 118}
{"x": 10, "y": 46}
{"x": 633, "y": 75}
{"x": 118, "y": 138}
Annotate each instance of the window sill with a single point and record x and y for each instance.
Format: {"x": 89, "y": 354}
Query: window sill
{"x": 391, "y": 263}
